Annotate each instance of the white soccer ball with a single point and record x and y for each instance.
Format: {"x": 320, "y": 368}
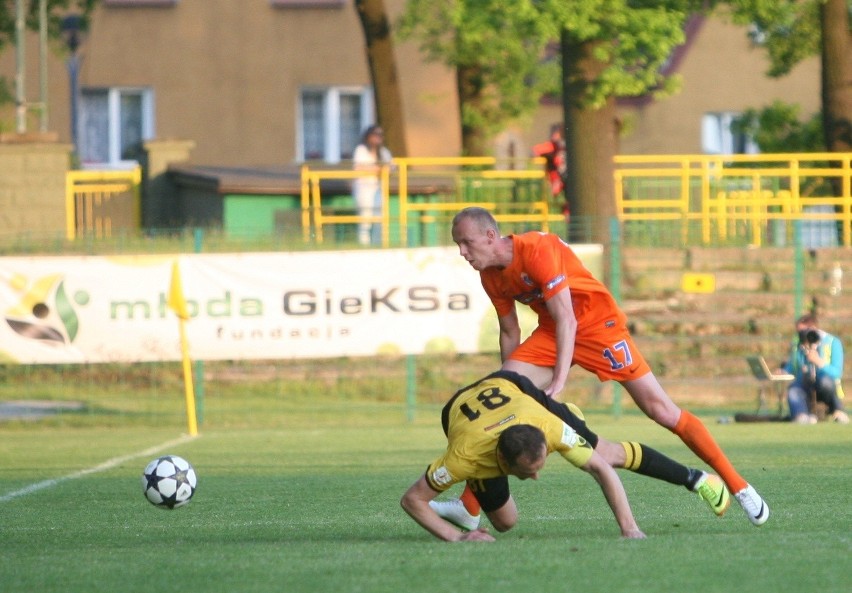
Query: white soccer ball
{"x": 169, "y": 482}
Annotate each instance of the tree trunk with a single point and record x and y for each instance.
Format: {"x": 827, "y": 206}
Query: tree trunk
{"x": 591, "y": 140}
{"x": 380, "y": 57}
{"x": 469, "y": 84}
{"x": 836, "y": 75}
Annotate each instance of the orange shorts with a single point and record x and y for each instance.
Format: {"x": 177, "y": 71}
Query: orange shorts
{"x": 605, "y": 349}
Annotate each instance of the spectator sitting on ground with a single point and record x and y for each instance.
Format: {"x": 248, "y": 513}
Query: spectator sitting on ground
{"x": 816, "y": 363}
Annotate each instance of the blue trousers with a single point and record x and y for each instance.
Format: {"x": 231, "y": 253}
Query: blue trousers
{"x": 798, "y": 396}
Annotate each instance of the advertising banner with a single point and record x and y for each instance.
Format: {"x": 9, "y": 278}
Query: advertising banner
{"x": 243, "y": 306}
{"x": 247, "y": 306}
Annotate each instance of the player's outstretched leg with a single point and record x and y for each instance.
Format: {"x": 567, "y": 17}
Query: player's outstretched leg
{"x": 646, "y": 461}
{"x": 649, "y": 395}
{"x": 696, "y": 436}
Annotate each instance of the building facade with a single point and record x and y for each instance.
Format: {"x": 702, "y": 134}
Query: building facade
{"x": 260, "y": 83}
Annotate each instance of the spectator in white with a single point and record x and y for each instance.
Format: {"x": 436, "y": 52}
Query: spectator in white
{"x": 369, "y": 156}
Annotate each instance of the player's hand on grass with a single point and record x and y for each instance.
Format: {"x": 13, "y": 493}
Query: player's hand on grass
{"x": 633, "y": 534}
{"x": 477, "y": 535}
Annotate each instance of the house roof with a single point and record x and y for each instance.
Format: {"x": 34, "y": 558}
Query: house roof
{"x": 278, "y": 180}
{"x": 238, "y": 180}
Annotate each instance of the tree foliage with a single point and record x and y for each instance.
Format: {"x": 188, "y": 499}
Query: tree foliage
{"x": 609, "y": 49}
{"x": 504, "y": 45}
{"x": 792, "y": 31}
{"x": 56, "y": 10}
{"x": 789, "y": 31}
{"x": 780, "y": 128}
{"x": 633, "y": 39}
{"x": 496, "y": 47}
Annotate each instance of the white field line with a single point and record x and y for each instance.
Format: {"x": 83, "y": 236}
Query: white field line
{"x": 108, "y": 464}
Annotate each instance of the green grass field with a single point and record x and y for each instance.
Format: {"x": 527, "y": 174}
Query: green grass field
{"x": 309, "y": 501}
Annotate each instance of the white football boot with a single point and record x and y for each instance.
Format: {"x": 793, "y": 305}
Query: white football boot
{"x": 454, "y": 512}
{"x": 753, "y": 505}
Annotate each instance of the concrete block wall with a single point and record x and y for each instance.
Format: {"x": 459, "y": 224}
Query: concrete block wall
{"x": 32, "y": 185}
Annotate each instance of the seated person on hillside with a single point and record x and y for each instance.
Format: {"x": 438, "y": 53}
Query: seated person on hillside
{"x": 816, "y": 362}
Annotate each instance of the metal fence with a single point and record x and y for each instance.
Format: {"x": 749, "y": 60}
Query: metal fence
{"x": 419, "y": 195}
{"x": 678, "y": 200}
{"x": 661, "y": 200}
{"x": 99, "y": 203}
{"x": 738, "y": 199}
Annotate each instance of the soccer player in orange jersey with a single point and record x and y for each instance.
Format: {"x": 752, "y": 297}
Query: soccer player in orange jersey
{"x": 580, "y": 323}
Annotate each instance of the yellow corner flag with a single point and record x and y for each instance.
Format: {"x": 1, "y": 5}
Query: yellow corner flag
{"x": 177, "y": 303}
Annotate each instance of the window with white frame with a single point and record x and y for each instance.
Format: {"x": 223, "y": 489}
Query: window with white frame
{"x": 331, "y": 120}
{"x": 718, "y": 138}
{"x": 113, "y": 124}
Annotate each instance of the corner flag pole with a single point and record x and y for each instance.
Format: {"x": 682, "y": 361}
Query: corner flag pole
{"x": 177, "y": 303}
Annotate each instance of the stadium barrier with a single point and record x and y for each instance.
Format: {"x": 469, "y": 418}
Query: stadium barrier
{"x": 742, "y": 199}
{"x": 745, "y": 197}
{"x": 100, "y": 202}
{"x": 420, "y": 194}
{"x": 702, "y": 199}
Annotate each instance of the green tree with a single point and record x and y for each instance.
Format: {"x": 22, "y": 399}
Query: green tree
{"x": 56, "y": 10}
{"x": 793, "y": 31}
{"x": 495, "y": 48}
{"x": 779, "y": 128}
{"x": 609, "y": 49}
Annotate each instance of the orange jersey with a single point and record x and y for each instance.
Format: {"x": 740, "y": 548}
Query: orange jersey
{"x": 542, "y": 266}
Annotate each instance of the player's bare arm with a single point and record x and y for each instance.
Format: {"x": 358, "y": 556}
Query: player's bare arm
{"x": 561, "y": 310}
{"x": 510, "y": 334}
{"x": 615, "y": 495}
{"x": 415, "y": 502}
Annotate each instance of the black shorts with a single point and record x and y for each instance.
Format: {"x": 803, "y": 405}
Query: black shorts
{"x": 493, "y": 493}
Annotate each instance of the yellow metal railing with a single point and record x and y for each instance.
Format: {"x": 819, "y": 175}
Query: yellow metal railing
{"x": 315, "y": 217}
{"x": 97, "y": 202}
{"x": 455, "y": 178}
{"x": 535, "y": 211}
{"x": 736, "y": 193}
{"x": 726, "y": 196}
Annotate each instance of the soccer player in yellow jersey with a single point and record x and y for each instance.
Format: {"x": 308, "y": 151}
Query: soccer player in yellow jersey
{"x": 503, "y": 425}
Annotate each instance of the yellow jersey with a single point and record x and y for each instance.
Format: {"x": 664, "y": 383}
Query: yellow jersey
{"x": 478, "y": 414}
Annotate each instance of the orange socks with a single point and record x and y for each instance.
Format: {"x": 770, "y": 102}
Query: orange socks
{"x": 696, "y": 436}
{"x": 469, "y": 501}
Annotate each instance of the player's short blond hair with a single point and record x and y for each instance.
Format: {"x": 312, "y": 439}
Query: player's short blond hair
{"x": 482, "y": 217}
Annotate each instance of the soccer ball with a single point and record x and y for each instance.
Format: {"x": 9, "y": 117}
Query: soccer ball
{"x": 169, "y": 482}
